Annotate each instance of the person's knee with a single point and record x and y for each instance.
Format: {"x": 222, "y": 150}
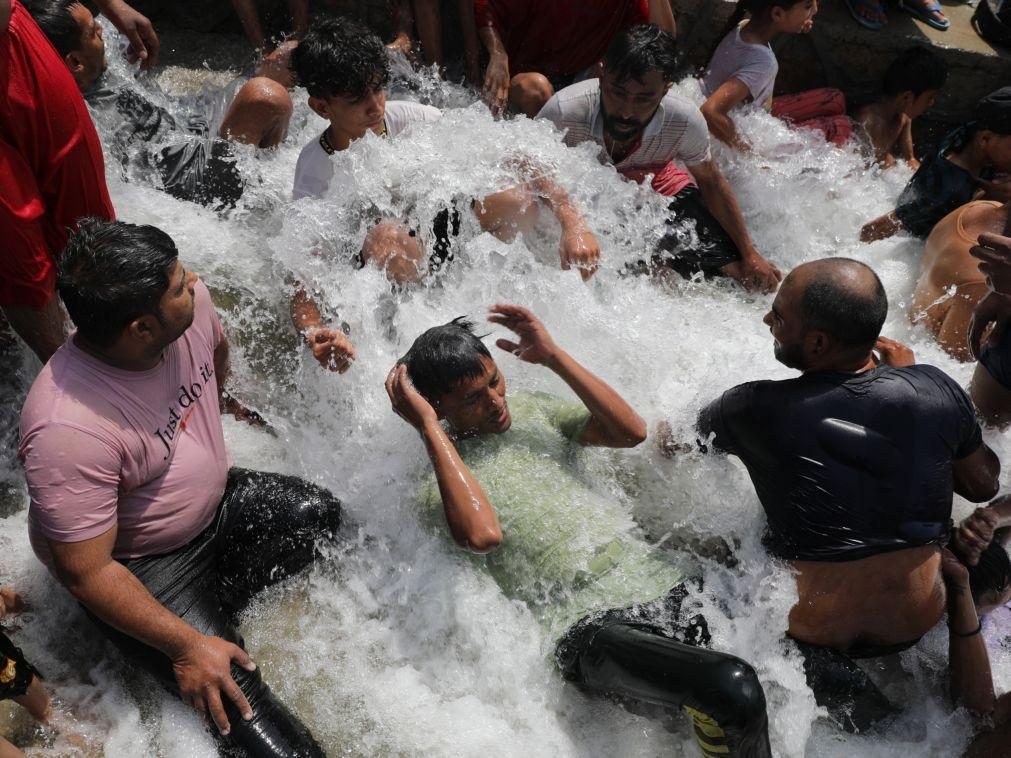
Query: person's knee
{"x": 319, "y": 509}
{"x": 739, "y": 696}
{"x": 528, "y": 93}
{"x": 393, "y": 249}
{"x": 259, "y": 113}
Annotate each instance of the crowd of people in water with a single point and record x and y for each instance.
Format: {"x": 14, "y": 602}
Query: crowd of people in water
{"x": 136, "y": 509}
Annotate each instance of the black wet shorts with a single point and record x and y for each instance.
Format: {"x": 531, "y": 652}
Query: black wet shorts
{"x": 843, "y": 688}
{"x": 694, "y": 242}
{"x": 201, "y": 172}
{"x": 15, "y": 672}
{"x": 996, "y": 359}
{"x": 661, "y": 616}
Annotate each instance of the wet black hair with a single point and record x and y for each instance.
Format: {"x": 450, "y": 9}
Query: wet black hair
{"x": 640, "y": 49}
{"x": 110, "y": 273}
{"x": 992, "y": 573}
{"x": 917, "y": 70}
{"x": 443, "y": 357}
{"x": 55, "y": 20}
{"x": 853, "y": 315}
{"x": 340, "y": 57}
{"x": 751, "y": 8}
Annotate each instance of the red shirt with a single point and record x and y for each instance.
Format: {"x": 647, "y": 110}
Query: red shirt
{"x": 51, "y": 167}
{"x": 558, "y": 37}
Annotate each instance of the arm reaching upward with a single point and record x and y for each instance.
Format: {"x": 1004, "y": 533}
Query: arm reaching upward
{"x": 614, "y": 423}
{"x": 472, "y": 520}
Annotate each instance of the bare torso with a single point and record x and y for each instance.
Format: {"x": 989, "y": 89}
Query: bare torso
{"x": 887, "y": 599}
{"x": 950, "y": 284}
{"x": 883, "y": 131}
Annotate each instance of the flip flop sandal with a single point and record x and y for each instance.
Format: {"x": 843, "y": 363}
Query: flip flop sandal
{"x": 929, "y": 6}
{"x": 853, "y": 5}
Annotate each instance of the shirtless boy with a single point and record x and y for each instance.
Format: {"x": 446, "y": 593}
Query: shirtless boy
{"x": 909, "y": 90}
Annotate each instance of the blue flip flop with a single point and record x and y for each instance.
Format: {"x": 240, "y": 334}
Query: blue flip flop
{"x": 865, "y": 22}
{"x": 924, "y": 14}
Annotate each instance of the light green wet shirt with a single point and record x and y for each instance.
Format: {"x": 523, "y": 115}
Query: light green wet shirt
{"x": 566, "y": 550}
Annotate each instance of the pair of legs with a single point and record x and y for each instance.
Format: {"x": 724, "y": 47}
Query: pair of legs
{"x": 397, "y": 249}
{"x": 646, "y": 653}
{"x": 266, "y": 530}
{"x": 20, "y": 682}
{"x": 823, "y": 109}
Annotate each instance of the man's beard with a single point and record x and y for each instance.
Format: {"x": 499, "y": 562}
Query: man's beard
{"x": 789, "y": 355}
{"x": 619, "y": 128}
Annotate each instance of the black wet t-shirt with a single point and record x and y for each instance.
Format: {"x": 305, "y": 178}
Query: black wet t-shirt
{"x": 848, "y": 465}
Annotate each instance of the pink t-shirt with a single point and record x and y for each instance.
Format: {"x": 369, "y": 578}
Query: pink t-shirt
{"x": 139, "y": 450}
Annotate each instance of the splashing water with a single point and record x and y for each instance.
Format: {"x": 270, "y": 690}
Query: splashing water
{"x": 397, "y": 644}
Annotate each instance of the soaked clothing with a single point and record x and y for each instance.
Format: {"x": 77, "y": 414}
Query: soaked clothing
{"x": 575, "y": 558}
{"x": 265, "y": 530}
{"x": 190, "y": 161}
{"x": 695, "y": 241}
{"x": 848, "y": 465}
{"x": 937, "y": 188}
{"x": 558, "y": 38}
{"x": 822, "y": 109}
{"x": 321, "y": 167}
{"x": 16, "y": 673}
{"x": 148, "y": 452}
{"x": 677, "y": 133}
{"x": 754, "y": 65}
{"x": 840, "y": 686}
{"x": 996, "y": 359}
{"x": 51, "y": 167}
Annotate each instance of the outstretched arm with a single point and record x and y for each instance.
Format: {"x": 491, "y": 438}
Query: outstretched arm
{"x": 660, "y": 13}
{"x": 330, "y": 347}
{"x": 136, "y": 28}
{"x": 716, "y": 111}
{"x": 614, "y": 423}
{"x": 496, "y": 76}
{"x": 472, "y": 520}
{"x": 753, "y": 271}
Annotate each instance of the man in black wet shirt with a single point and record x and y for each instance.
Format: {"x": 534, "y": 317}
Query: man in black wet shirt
{"x": 855, "y": 462}
{"x": 190, "y": 160}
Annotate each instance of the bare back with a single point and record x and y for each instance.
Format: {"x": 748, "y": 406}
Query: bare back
{"x": 886, "y": 599}
{"x": 882, "y": 131}
{"x": 950, "y": 284}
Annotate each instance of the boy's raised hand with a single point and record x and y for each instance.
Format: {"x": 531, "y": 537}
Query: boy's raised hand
{"x": 535, "y": 345}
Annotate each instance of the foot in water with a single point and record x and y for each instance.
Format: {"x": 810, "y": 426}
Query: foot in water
{"x": 867, "y": 13}
{"x": 928, "y": 11}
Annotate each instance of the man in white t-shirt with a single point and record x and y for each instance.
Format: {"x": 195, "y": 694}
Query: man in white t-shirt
{"x": 645, "y": 130}
{"x": 344, "y": 68}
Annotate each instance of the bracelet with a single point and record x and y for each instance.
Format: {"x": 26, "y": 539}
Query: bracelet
{"x": 973, "y": 633}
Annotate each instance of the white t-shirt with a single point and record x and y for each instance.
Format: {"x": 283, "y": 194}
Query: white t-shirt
{"x": 755, "y": 65}
{"x": 677, "y": 131}
{"x": 315, "y": 170}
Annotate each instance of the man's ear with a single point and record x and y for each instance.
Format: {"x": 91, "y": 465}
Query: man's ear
{"x": 143, "y": 328}
{"x": 319, "y": 107}
{"x": 74, "y": 63}
{"x": 600, "y": 69}
{"x": 817, "y": 343}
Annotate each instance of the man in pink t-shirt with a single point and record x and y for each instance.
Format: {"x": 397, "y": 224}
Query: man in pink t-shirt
{"x": 134, "y": 506}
